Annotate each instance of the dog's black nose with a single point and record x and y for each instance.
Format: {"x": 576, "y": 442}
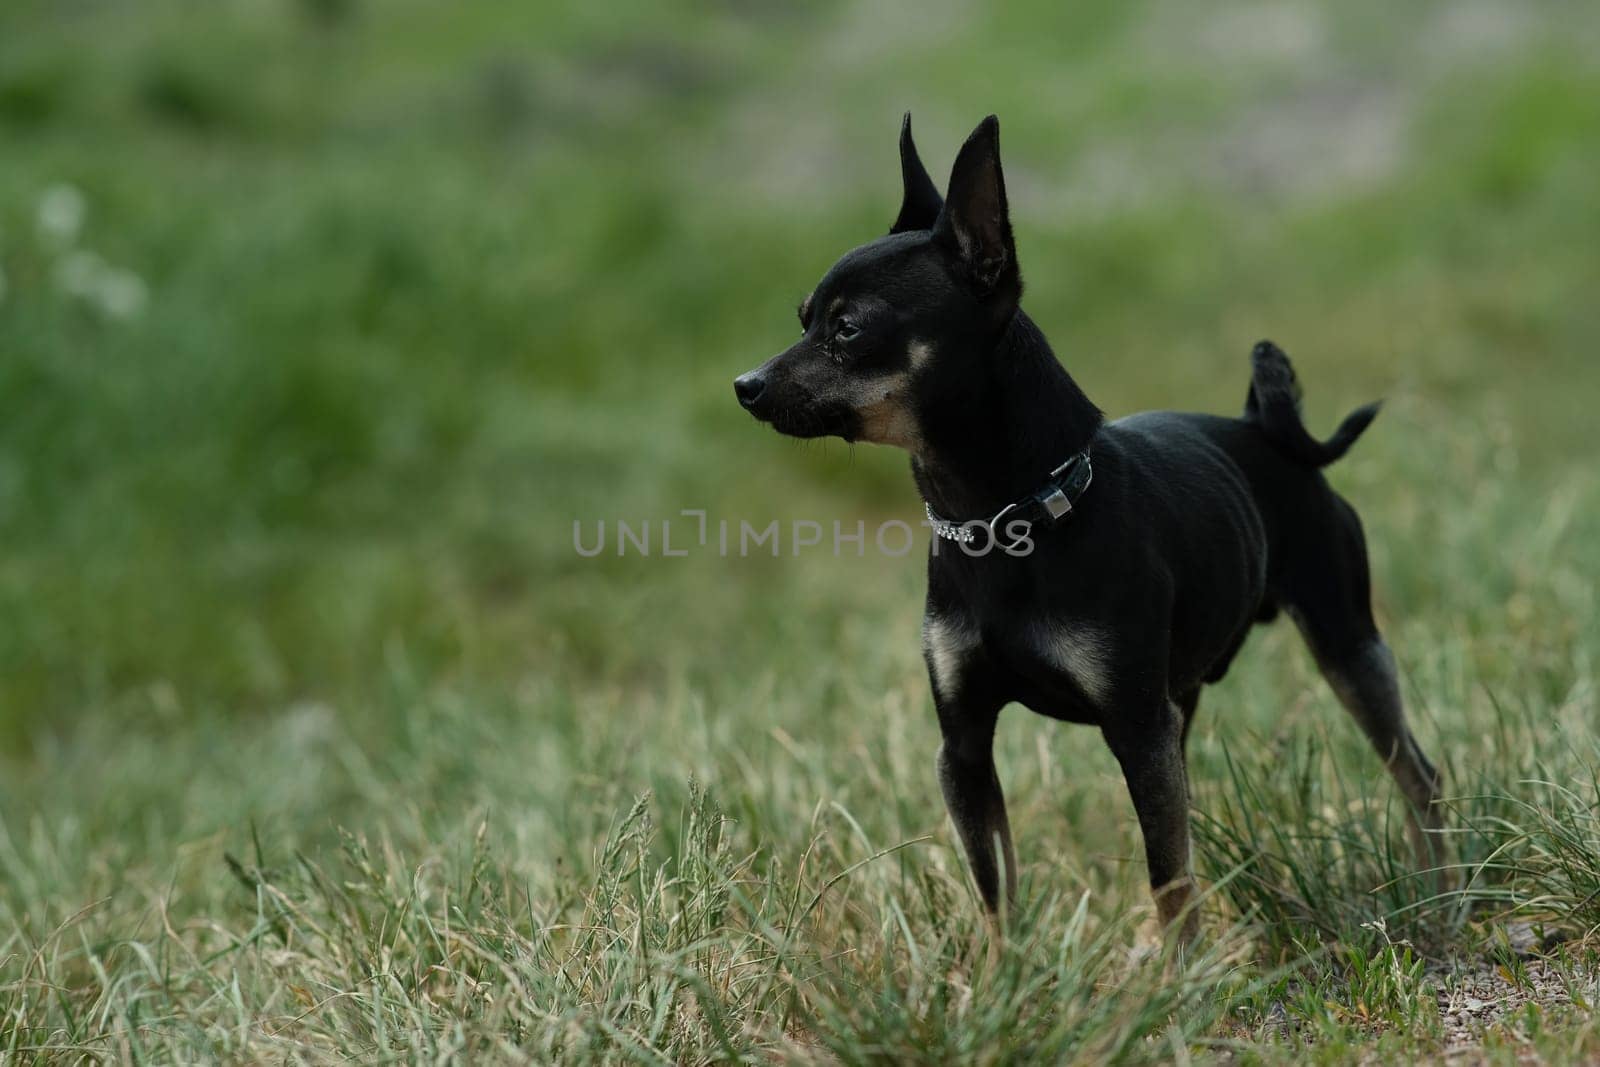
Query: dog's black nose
{"x": 748, "y": 388}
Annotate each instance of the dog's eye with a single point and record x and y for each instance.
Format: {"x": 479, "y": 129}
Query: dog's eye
{"x": 847, "y": 330}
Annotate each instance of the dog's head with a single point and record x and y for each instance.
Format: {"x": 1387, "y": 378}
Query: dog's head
{"x": 895, "y": 327}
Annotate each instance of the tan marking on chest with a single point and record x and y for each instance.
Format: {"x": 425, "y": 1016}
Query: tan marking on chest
{"x": 946, "y": 643}
{"x": 1080, "y": 650}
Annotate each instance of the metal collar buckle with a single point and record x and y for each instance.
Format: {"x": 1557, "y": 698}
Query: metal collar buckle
{"x": 1055, "y": 503}
{"x": 995, "y": 530}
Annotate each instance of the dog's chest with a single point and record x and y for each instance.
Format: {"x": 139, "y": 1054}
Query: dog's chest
{"x": 1058, "y": 666}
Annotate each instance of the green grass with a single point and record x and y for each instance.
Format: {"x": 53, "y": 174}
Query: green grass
{"x": 318, "y": 740}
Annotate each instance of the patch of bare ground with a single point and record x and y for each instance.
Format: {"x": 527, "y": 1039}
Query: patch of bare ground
{"x": 1534, "y": 981}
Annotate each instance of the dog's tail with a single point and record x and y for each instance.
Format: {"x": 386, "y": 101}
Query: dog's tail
{"x": 1274, "y": 403}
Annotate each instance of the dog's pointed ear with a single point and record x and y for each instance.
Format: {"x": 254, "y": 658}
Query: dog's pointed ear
{"x": 919, "y": 208}
{"x": 975, "y": 218}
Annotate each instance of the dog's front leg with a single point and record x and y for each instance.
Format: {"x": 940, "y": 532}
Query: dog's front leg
{"x": 977, "y": 807}
{"x": 969, "y": 702}
{"x": 1150, "y": 749}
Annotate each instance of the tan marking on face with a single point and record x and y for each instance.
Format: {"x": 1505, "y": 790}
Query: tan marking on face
{"x": 884, "y": 405}
{"x": 886, "y": 418}
{"x": 946, "y": 642}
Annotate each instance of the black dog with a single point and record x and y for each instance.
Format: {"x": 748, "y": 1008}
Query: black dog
{"x": 1109, "y": 606}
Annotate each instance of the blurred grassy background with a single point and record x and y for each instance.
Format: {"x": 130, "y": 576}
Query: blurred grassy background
{"x": 321, "y": 321}
{"x": 424, "y": 285}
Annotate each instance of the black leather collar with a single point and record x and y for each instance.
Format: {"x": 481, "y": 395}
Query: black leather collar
{"x": 1051, "y": 502}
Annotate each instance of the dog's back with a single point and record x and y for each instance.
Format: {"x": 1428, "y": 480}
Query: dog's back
{"x": 1312, "y": 555}
{"x": 1316, "y": 563}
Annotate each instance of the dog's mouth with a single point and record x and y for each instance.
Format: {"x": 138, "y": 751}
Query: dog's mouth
{"x": 811, "y": 420}
{"x": 818, "y": 421}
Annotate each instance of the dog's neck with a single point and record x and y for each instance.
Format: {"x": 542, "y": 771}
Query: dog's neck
{"x": 999, "y": 436}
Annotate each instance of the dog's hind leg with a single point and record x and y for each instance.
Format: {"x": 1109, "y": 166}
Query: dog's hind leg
{"x": 1367, "y": 684}
{"x": 1328, "y": 595}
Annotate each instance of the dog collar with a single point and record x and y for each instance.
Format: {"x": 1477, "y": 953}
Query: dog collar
{"x": 1054, "y": 500}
